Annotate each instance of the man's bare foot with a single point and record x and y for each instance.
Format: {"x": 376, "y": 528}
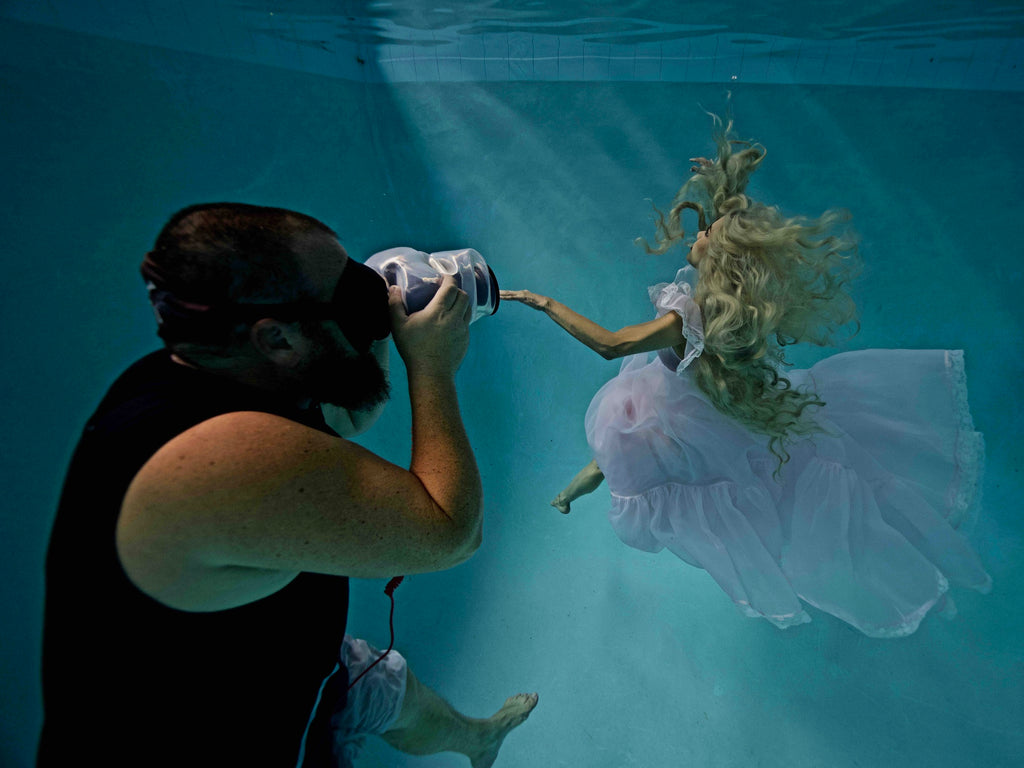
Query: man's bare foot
{"x": 513, "y": 713}
{"x": 561, "y": 504}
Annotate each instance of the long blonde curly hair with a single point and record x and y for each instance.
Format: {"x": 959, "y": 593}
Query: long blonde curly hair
{"x": 765, "y": 282}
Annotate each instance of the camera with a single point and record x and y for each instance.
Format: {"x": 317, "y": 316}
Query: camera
{"x": 418, "y": 275}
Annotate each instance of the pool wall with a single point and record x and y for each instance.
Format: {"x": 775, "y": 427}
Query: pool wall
{"x": 638, "y": 659}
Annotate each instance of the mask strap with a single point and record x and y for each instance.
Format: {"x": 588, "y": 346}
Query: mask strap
{"x": 167, "y": 306}
{"x": 153, "y": 272}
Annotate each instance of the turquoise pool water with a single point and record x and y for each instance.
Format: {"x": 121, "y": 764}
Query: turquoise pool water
{"x": 538, "y": 137}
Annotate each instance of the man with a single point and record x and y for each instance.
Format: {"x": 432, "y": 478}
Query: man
{"x": 197, "y": 576}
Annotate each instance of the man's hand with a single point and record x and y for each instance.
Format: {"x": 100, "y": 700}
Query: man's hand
{"x": 434, "y": 340}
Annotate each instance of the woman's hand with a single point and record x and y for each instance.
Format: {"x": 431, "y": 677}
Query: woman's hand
{"x": 528, "y": 298}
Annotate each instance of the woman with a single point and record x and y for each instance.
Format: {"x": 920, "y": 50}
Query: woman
{"x": 840, "y": 486}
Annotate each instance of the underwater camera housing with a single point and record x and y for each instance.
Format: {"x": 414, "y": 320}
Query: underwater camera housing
{"x": 418, "y": 275}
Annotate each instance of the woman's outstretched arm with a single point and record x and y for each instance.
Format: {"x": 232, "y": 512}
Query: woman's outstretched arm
{"x": 665, "y": 331}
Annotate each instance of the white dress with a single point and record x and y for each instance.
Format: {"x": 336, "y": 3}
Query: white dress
{"x": 862, "y": 523}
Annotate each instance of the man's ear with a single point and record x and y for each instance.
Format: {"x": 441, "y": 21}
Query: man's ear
{"x": 282, "y": 343}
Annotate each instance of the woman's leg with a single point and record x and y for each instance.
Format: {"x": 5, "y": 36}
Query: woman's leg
{"x": 586, "y": 481}
{"x": 428, "y": 724}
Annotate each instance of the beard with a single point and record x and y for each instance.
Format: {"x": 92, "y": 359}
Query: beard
{"x": 335, "y": 376}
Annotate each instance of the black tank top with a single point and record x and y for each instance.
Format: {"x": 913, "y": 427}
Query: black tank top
{"x": 128, "y": 681}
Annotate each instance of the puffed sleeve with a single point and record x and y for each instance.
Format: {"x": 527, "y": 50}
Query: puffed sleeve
{"x": 677, "y": 297}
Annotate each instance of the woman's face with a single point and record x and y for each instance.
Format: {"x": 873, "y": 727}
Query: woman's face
{"x": 700, "y": 246}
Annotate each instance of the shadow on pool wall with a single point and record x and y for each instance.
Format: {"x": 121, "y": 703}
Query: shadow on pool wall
{"x": 639, "y": 660}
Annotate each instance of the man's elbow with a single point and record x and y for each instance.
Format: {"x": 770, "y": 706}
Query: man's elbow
{"x": 464, "y": 547}
{"x": 471, "y": 543}
{"x": 474, "y": 541}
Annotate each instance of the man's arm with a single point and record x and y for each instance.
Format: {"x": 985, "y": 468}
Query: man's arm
{"x": 235, "y": 507}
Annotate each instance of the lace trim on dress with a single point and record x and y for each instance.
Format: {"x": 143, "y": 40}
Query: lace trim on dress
{"x": 648, "y": 528}
{"x": 911, "y": 621}
{"x": 964, "y": 492}
{"x": 677, "y": 297}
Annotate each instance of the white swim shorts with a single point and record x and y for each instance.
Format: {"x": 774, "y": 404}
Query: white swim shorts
{"x": 373, "y": 703}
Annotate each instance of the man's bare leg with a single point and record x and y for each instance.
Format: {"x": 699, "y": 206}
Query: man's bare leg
{"x": 586, "y": 481}
{"x": 428, "y": 724}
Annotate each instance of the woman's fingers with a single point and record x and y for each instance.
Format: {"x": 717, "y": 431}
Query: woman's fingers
{"x": 529, "y": 298}
{"x": 523, "y": 296}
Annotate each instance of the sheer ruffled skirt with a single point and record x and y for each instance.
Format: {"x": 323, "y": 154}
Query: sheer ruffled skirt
{"x": 862, "y": 522}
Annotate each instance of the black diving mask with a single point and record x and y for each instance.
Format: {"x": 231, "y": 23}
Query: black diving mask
{"x": 359, "y": 306}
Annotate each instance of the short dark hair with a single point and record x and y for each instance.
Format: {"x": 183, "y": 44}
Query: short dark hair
{"x": 231, "y": 253}
{"x": 235, "y": 252}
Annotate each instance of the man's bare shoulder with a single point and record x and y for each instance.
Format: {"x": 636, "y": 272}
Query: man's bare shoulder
{"x": 240, "y": 451}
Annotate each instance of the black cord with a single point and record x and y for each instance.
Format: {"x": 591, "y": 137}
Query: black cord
{"x": 389, "y": 590}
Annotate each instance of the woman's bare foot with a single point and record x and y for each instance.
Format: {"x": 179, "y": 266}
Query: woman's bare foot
{"x": 586, "y": 481}
{"x": 495, "y": 728}
{"x": 561, "y": 504}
